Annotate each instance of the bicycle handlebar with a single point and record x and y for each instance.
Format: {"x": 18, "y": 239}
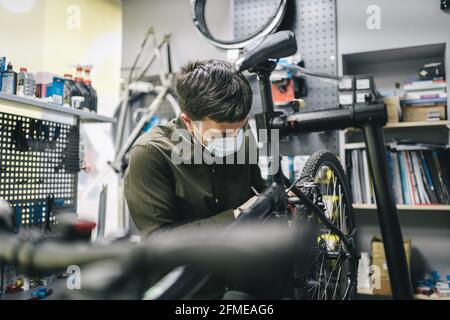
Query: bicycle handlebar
{"x": 273, "y": 46}
{"x": 331, "y": 119}
{"x": 245, "y": 247}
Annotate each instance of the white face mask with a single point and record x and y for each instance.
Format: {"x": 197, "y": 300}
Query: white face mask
{"x": 223, "y": 146}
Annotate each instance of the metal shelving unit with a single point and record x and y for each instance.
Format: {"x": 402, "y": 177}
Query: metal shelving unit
{"x": 37, "y": 109}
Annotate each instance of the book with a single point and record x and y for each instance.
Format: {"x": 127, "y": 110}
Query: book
{"x": 425, "y": 85}
{"x": 367, "y": 179}
{"x": 423, "y": 194}
{"x": 440, "y": 176}
{"x": 403, "y": 176}
{"x": 435, "y": 177}
{"x": 429, "y": 94}
{"x": 427, "y": 178}
{"x": 424, "y": 102}
{"x": 418, "y": 176}
{"x": 357, "y": 198}
{"x": 397, "y": 178}
{"x": 362, "y": 177}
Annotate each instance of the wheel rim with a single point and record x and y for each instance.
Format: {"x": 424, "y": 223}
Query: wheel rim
{"x": 333, "y": 272}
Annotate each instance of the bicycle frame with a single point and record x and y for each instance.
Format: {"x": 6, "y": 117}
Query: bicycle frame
{"x": 370, "y": 118}
{"x": 162, "y": 91}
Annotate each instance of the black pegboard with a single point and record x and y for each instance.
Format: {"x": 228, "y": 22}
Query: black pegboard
{"x": 39, "y": 163}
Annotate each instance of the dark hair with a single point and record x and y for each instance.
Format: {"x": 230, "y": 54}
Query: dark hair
{"x": 212, "y": 89}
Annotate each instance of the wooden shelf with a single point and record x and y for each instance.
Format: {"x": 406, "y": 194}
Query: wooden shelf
{"x": 355, "y": 145}
{"x": 406, "y": 207}
{"x": 29, "y": 107}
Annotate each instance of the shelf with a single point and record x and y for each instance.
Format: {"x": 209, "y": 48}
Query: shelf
{"x": 34, "y": 108}
{"x": 369, "y": 292}
{"x": 399, "y": 125}
{"x": 406, "y": 207}
{"x": 356, "y": 145}
{"x": 394, "y": 55}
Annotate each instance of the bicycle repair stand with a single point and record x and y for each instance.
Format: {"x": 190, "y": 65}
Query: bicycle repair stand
{"x": 124, "y": 142}
{"x": 370, "y": 117}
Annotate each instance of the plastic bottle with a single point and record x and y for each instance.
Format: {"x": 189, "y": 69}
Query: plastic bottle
{"x": 9, "y": 80}
{"x": 2, "y": 68}
{"x": 70, "y": 89}
{"x": 26, "y": 84}
{"x": 81, "y": 87}
{"x": 93, "y": 93}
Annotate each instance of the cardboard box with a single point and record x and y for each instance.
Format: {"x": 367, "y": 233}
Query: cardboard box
{"x": 393, "y": 109}
{"x": 379, "y": 261}
{"x": 421, "y": 113}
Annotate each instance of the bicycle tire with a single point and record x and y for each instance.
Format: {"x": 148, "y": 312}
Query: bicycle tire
{"x": 322, "y": 258}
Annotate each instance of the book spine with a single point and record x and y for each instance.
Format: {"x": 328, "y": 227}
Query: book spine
{"x": 410, "y": 179}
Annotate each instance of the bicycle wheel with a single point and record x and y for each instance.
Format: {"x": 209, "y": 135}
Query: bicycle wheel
{"x": 332, "y": 274}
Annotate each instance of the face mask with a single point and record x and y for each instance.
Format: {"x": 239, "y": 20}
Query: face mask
{"x": 223, "y": 146}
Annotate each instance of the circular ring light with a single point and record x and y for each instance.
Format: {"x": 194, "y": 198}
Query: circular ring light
{"x": 198, "y": 16}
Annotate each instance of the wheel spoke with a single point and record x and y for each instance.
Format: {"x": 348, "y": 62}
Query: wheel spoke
{"x": 334, "y": 279}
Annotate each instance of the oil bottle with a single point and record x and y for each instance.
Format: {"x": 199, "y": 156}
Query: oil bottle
{"x": 9, "y": 80}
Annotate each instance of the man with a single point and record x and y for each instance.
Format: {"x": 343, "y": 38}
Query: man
{"x": 161, "y": 191}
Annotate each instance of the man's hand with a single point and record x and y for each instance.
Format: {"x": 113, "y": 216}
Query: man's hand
{"x": 290, "y": 193}
{"x": 246, "y": 205}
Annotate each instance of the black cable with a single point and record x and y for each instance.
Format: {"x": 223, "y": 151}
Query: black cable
{"x": 2, "y": 275}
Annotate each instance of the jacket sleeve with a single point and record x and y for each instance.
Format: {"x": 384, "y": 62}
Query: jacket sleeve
{"x": 150, "y": 193}
{"x": 257, "y": 181}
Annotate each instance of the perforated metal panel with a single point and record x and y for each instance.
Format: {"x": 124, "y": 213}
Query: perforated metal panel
{"x": 250, "y": 15}
{"x": 39, "y": 163}
{"x": 315, "y": 29}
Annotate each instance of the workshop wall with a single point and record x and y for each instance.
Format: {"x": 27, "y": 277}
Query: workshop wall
{"x": 421, "y": 23}
{"x": 172, "y": 17}
{"x": 55, "y": 35}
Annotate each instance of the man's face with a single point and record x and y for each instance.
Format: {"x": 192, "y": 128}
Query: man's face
{"x": 209, "y": 129}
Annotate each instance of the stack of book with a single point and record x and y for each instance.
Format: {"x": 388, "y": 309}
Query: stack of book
{"x": 425, "y": 100}
{"x": 418, "y": 172}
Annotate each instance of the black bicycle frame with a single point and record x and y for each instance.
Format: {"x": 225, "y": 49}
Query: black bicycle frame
{"x": 370, "y": 118}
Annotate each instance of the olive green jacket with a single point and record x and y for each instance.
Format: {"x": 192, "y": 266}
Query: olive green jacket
{"x": 163, "y": 193}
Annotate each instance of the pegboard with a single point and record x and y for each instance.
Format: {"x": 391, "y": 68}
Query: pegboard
{"x": 39, "y": 164}
{"x": 315, "y": 29}
{"x": 314, "y": 25}
{"x": 245, "y": 21}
